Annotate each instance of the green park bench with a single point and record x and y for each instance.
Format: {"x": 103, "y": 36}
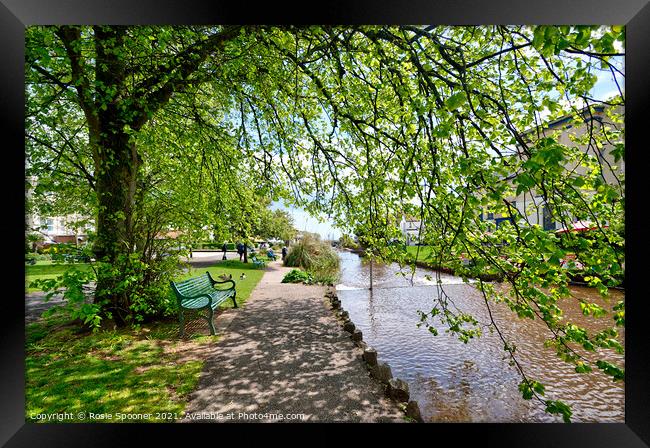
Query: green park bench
{"x": 257, "y": 262}
{"x": 199, "y": 293}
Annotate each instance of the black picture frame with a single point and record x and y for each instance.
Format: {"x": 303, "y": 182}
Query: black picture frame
{"x": 15, "y": 15}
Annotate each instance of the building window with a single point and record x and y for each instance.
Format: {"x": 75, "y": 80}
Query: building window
{"x": 548, "y": 222}
{"x": 50, "y": 224}
{"x": 500, "y": 221}
{"x": 490, "y": 215}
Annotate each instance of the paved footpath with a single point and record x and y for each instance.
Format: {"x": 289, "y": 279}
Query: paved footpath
{"x": 285, "y": 353}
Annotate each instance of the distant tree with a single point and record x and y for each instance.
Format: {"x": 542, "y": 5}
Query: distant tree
{"x": 347, "y": 241}
{"x": 276, "y": 224}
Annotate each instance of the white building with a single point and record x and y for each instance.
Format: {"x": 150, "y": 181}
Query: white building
{"x": 530, "y": 203}
{"x": 72, "y": 228}
{"x": 60, "y": 229}
{"x": 411, "y": 229}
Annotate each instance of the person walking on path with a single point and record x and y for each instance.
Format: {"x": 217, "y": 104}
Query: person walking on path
{"x": 240, "y": 250}
{"x": 284, "y": 252}
{"x": 224, "y": 248}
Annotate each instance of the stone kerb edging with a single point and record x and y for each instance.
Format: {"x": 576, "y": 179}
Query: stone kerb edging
{"x": 395, "y": 388}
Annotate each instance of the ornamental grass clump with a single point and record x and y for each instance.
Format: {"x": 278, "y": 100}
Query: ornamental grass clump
{"x": 299, "y": 255}
{"x": 316, "y": 257}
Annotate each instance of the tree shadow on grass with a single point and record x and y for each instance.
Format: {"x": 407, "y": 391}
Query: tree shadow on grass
{"x": 105, "y": 373}
{"x": 70, "y": 369}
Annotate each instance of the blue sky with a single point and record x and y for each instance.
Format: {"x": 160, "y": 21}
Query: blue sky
{"x": 605, "y": 87}
{"x": 303, "y": 221}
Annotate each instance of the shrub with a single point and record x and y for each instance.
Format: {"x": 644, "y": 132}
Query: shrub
{"x": 32, "y": 258}
{"x": 297, "y": 276}
{"x": 315, "y": 256}
{"x": 208, "y": 245}
{"x": 68, "y": 253}
{"x": 72, "y": 283}
{"x": 31, "y": 241}
{"x": 144, "y": 286}
{"x": 325, "y": 269}
{"x": 214, "y": 245}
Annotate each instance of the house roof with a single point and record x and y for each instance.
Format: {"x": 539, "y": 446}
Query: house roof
{"x": 170, "y": 234}
{"x": 584, "y": 113}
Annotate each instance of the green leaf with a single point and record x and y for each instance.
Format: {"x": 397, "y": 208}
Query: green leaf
{"x": 558, "y": 407}
{"x": 538, "y": 37}
{"x": 616, "y": 373}
{"x": 456, "y": 100}
{"x": 527, "y": 388}
{"x": 582, "y": 367}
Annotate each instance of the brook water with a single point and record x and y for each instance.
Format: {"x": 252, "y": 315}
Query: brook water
{"x": 457, "y": 382}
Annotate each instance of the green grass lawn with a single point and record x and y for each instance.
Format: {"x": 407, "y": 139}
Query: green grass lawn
{"x": 47, "y": 270}
{"x": 121, "y": 371}
{"x": 427, "y": 257}
{"x": 144, "y": 371}
{"x": 425, "y": 253}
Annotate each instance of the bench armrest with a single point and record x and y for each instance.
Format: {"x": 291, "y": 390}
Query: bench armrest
{"x": 225, "y": 281}
{"x": 216, "y": 282}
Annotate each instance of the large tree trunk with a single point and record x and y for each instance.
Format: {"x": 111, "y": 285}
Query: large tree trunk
{"x": 117, "y": 169}
{"x": 116, "y": 186}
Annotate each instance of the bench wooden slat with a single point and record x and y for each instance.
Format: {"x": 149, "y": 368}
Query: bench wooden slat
{"x": 194, "y": 286}
{"x": 200, "y": 302}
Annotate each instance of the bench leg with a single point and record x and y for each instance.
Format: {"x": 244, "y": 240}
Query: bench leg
{"x": 210, "y": 323}
{"x": 182, "y": 323}
{"x": 233, "y": 299}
